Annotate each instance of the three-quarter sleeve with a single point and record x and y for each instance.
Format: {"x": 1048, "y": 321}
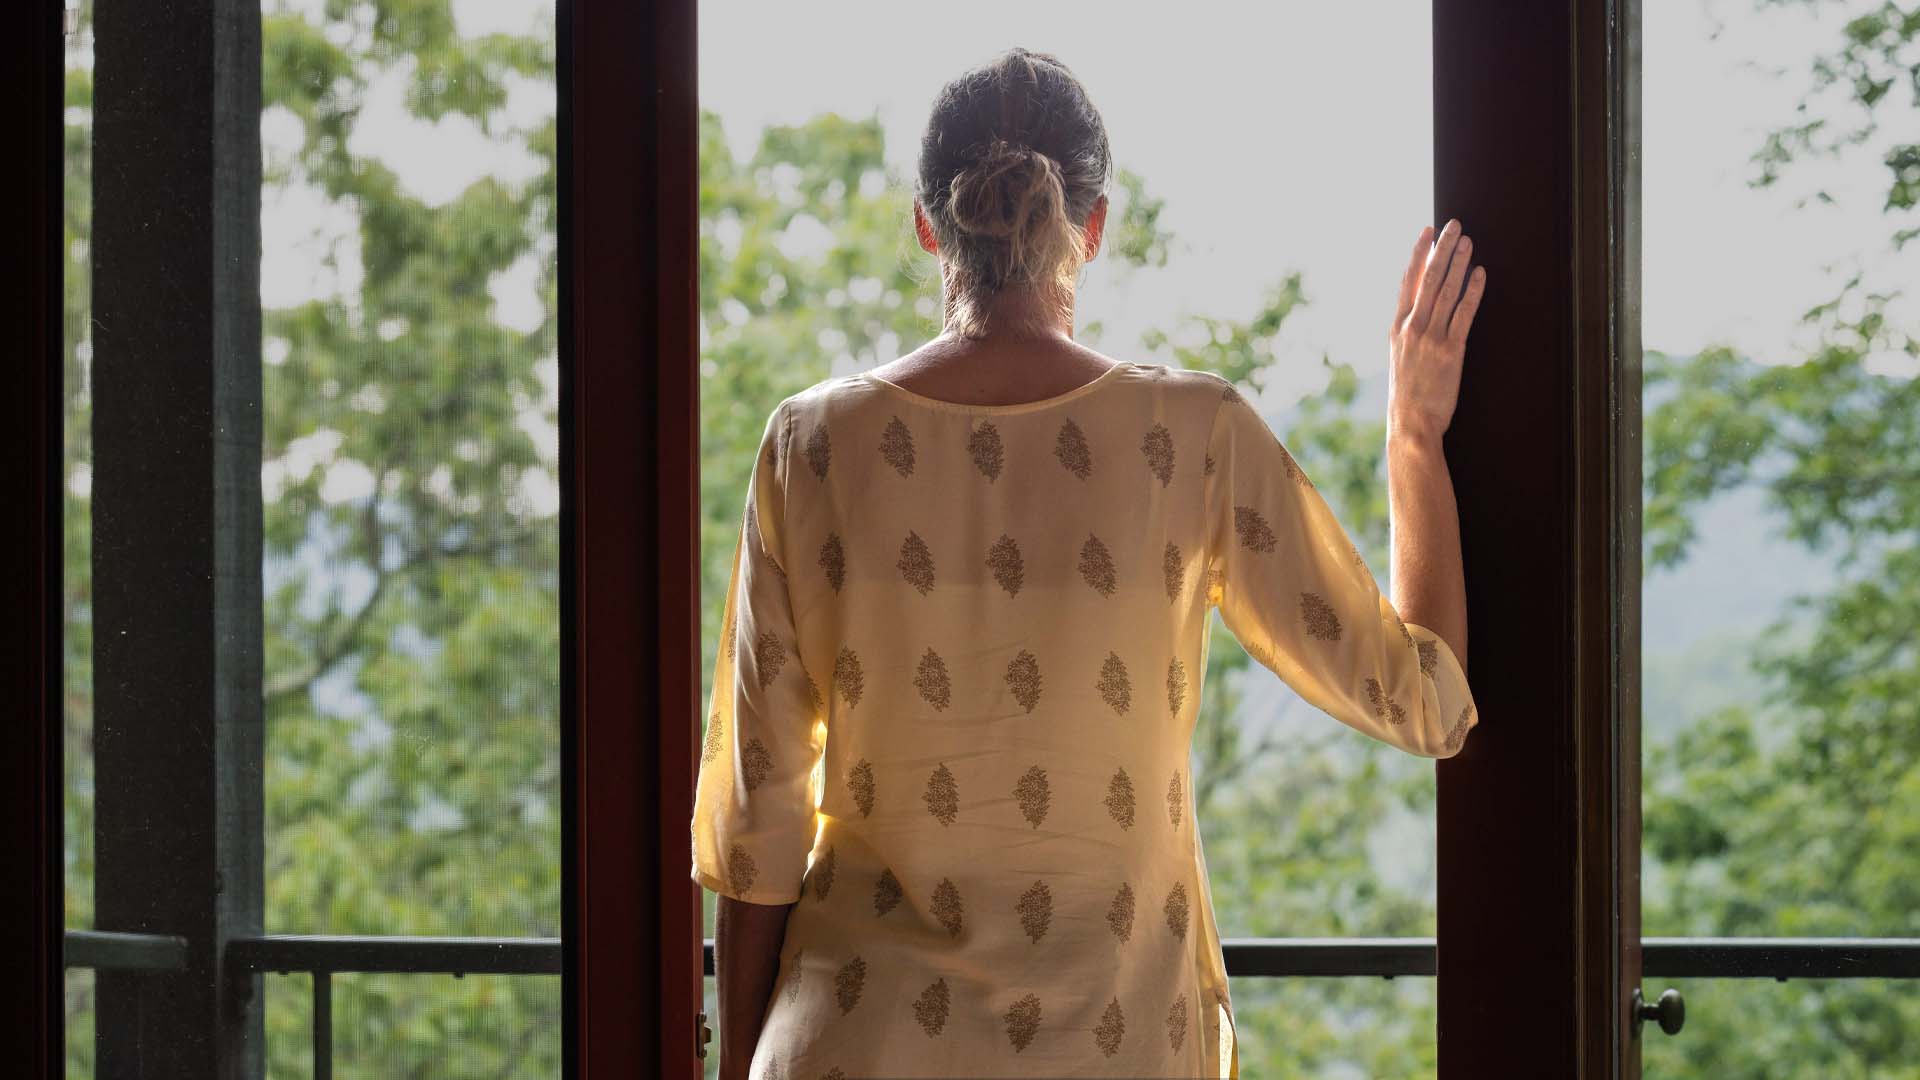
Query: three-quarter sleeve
{"x": 1294, "y": 590}
{"x": 753, "y": 813}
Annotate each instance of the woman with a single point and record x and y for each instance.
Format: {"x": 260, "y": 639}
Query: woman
{"x": 971, "y": 588}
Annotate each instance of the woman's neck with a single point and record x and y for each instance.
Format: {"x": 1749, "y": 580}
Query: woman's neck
{"x": 1025, "y": 317}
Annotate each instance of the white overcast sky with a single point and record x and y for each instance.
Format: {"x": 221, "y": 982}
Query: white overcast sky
{"x": 1285, "y": 136}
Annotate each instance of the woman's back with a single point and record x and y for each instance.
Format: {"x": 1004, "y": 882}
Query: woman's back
{"x": 963, "y": 653}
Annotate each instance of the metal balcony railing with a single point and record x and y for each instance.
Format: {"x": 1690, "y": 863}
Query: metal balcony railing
{"x": 324, "y": 956}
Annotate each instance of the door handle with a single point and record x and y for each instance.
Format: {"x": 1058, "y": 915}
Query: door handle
{"x": 1670, "y": 1012}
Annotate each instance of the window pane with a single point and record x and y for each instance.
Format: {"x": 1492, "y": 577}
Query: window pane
{"x": 77, "y": 467}
{"x": 79, "y": 1014}
{"x": 1356, "y": 1027}
{"x": 1782, "y": 424}
{"x": 1249, "y": 231}
{"x": 475, "y": 1027}
{"x": 1836, "y": 1029}
{"x": 80, "y": 986}
{"x": 410, "y": 470}
{"x": 401, "y": 578}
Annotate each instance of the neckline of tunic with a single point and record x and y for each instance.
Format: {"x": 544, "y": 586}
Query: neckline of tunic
{"x": 1083, "y": 389}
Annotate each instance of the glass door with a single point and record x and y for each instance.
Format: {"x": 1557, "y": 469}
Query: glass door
{"x": 1781, "y": 507}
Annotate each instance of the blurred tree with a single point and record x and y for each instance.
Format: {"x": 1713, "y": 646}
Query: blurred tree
{"x": 77, "y": 576}
{"x": 412, "y": 561}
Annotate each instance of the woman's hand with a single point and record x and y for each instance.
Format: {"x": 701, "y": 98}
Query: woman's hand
{"x": 1438, "y": 299}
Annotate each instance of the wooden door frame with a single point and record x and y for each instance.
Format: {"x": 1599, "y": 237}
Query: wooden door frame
{"x": 32, "y": 64}
{"x": 1535, "y": 126}
{"x": 629, "y": 259}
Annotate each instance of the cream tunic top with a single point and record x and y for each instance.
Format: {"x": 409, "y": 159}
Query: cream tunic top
{"x": 953, "y": 709}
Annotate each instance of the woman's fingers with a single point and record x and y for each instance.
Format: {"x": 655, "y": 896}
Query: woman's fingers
{"x": 1437, "y": 261}
{"x": 1421, "y": 244}
{"x": 1450, "y": 286}
{"x": 1469, "y": 304}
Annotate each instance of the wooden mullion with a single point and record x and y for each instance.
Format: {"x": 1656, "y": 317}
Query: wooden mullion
{"x": 630, "y": 534}
{"x": 1538, "y": 827}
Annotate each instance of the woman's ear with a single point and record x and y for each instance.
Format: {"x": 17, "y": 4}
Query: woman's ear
{"x": 924, "y": 230}
{"x": 1096, "y": 226}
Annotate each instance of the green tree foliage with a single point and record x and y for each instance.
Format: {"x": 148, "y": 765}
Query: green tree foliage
{"x": 412, "y": 620}
{"x": 77, "y": 580}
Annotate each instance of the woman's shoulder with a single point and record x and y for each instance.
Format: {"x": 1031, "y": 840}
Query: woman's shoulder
{"x": 1195, "y": 394}
{"x": 815, "y": 403}
{"x": 1197, "y": 380}
{"x": 839, "y": 391}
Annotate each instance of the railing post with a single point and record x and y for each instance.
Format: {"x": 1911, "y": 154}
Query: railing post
{"x": 323, "y": 1025}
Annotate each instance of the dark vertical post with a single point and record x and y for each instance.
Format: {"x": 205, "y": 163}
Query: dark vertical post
{"x": 31, "y": 73}
{"x": 1538, "y": 838}
{"x": 176, "y": 524}
{"x": 1606, "y": 534}
{"x": 629, "y": 260}
{"x": 1610, "y": 59}
{"x": 323, "y": 1025}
